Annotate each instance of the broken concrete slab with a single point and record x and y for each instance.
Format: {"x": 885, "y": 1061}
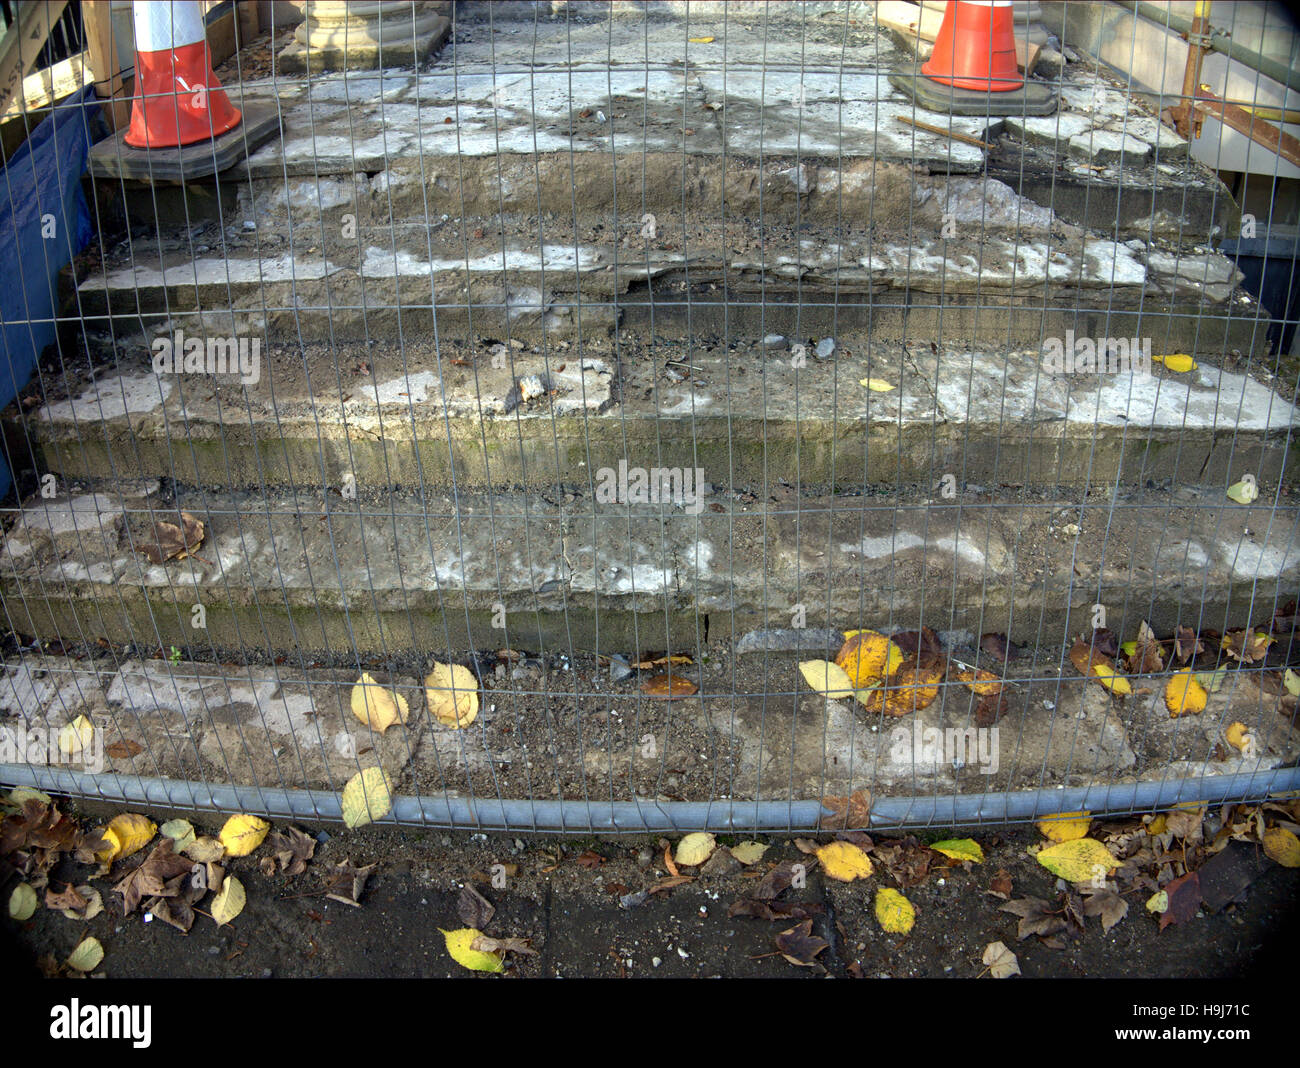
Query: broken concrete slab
{"x": 451, "y": 570}
{"x": 450, "y": 413}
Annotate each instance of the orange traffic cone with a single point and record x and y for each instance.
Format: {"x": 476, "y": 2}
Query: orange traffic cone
{"x": 976, "y": 48}
{"x": 178, "y": 100}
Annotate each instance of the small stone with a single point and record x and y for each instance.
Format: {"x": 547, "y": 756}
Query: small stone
{"x": 776, "y": 343}
{"x": 826, "y": 348}
{"x": 516, "y": 344}
{"x": 721, "y": 865}
{"x": 656, "y": 961}
{"x": 531, "y": 386}
{"x": 645, "y": 858}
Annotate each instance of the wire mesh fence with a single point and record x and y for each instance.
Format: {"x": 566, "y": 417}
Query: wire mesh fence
{"x": 657, "y": 417}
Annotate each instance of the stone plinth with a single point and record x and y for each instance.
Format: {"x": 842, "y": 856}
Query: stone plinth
{"x": 365, "y": 35}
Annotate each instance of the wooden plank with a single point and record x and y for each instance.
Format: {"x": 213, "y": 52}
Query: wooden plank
{"x": 50, "y": 85}
{"x": 22, "y": 42}
{"x": 101, "y": 47}
{"x": 919, "y": 23}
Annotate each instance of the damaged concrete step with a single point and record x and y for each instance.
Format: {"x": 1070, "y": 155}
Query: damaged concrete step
{"x": 427, "y": 416}
{"x": 550, "y": 727}
{"x": 611, "y": 120}
{"x": 994, "y": 286}
{"x": 318, "y": 572}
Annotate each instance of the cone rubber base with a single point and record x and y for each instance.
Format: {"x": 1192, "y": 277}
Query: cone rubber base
{"x": 1035, "y": 98}
{"x": 114, "y": 158}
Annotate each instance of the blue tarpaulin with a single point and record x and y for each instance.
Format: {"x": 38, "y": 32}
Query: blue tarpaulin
{"x": 44, "y": 222}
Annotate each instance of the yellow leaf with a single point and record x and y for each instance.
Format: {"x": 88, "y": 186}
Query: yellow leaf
{"x": 1243, "y": 492}
{"x": 1111, "y": 679}
{"x": 452, "y": 693}
{"x": 749, "y": 852}
{"x": 125, "y": 834}
{"x": 1283, "y": 846}
{"x": 22, "y": 902}
{"x": 695, "y": 848}
{"x": 1158, "y": 825}
{"x": 229, "y": 901}
{"x": 893, "y": 911}
{"x": 1078, "y": 861}
{"x": 844, "y": 861}
{"x": 876, "y": 385}
{"x": 1237, "y": 733}
{"x": 827, "y": 678}
{"x": 1292, "y": 682}
{"x": 1065, "y": 826}
{"x": 458, "y": 945}
{"x": 377, "y": 706}
{"x": 87, "y": 955}
{"x": 700, "y": 40}
{"x": 1184, "y": 696}
{"x": 368, "y": 796}
{"x": 1177, "y": 361}
{"x": 868, "y": 656}
{"x": 242, "y": 834}
{"x": 960, "y": 849}
{"x": 75, "y": 736}
{"x": 1158, "y": 902}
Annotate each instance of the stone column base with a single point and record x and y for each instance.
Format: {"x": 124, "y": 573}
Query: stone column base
{"x": 364, "y": 35}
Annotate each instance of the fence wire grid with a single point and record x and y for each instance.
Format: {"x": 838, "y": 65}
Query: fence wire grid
{"x": 535, "y": 416}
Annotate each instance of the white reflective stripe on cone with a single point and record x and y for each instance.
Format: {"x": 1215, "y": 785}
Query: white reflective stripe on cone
{"x": 160, "y": 26}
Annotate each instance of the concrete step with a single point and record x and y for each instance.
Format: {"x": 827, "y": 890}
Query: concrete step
{"x": 393, "y": 574}
{"x": 560, "y": 728}
{"x": 434, "y": 416}
{"x": 990, "y": 284}
{"x": 616, "y": 117}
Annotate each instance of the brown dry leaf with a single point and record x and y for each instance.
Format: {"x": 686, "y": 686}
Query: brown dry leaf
{"x": 668, "y": 687}
{"x": 1184, "y": 898}
{"x": 1001, "y": 961}
{"x": 346, "y": 881}
{"x": 1148, "y": 658}
{"x": 1108, "y": 905}
{"x": 912, "y": 688}
{"x": 1092, "y": 663}
{"x": 174, "y": 542}
{"x": 1037, "y": 917}
{"x": 800, "y": 946}
{"x": 990, "y": 709}
{"x": 1000, "y": 886}
{"x": 473, "y": 908}
{"x": 663, "y": 661}
{"x": 589, "y": 859}
{"x": 1246, "y": 645}
{"x": 124, "y": 749}
{"x": 158, "y": 875}
{"x": 923, "y": 642}
{"x": 752, "y": 908}
{"x": 483, "y": 944}
{"x": 847, "y": 813}
{"x": 292, "y": 849}
{"x": 1187, "y": 644}
{"x": 670, "y": 881}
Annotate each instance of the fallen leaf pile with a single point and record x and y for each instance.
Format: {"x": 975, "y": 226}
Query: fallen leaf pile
{"x": 900, "y": 675}
{"x": 1189, "y": 665}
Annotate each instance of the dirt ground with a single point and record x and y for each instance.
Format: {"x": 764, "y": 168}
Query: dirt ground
{"x": 568, "y": 898}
